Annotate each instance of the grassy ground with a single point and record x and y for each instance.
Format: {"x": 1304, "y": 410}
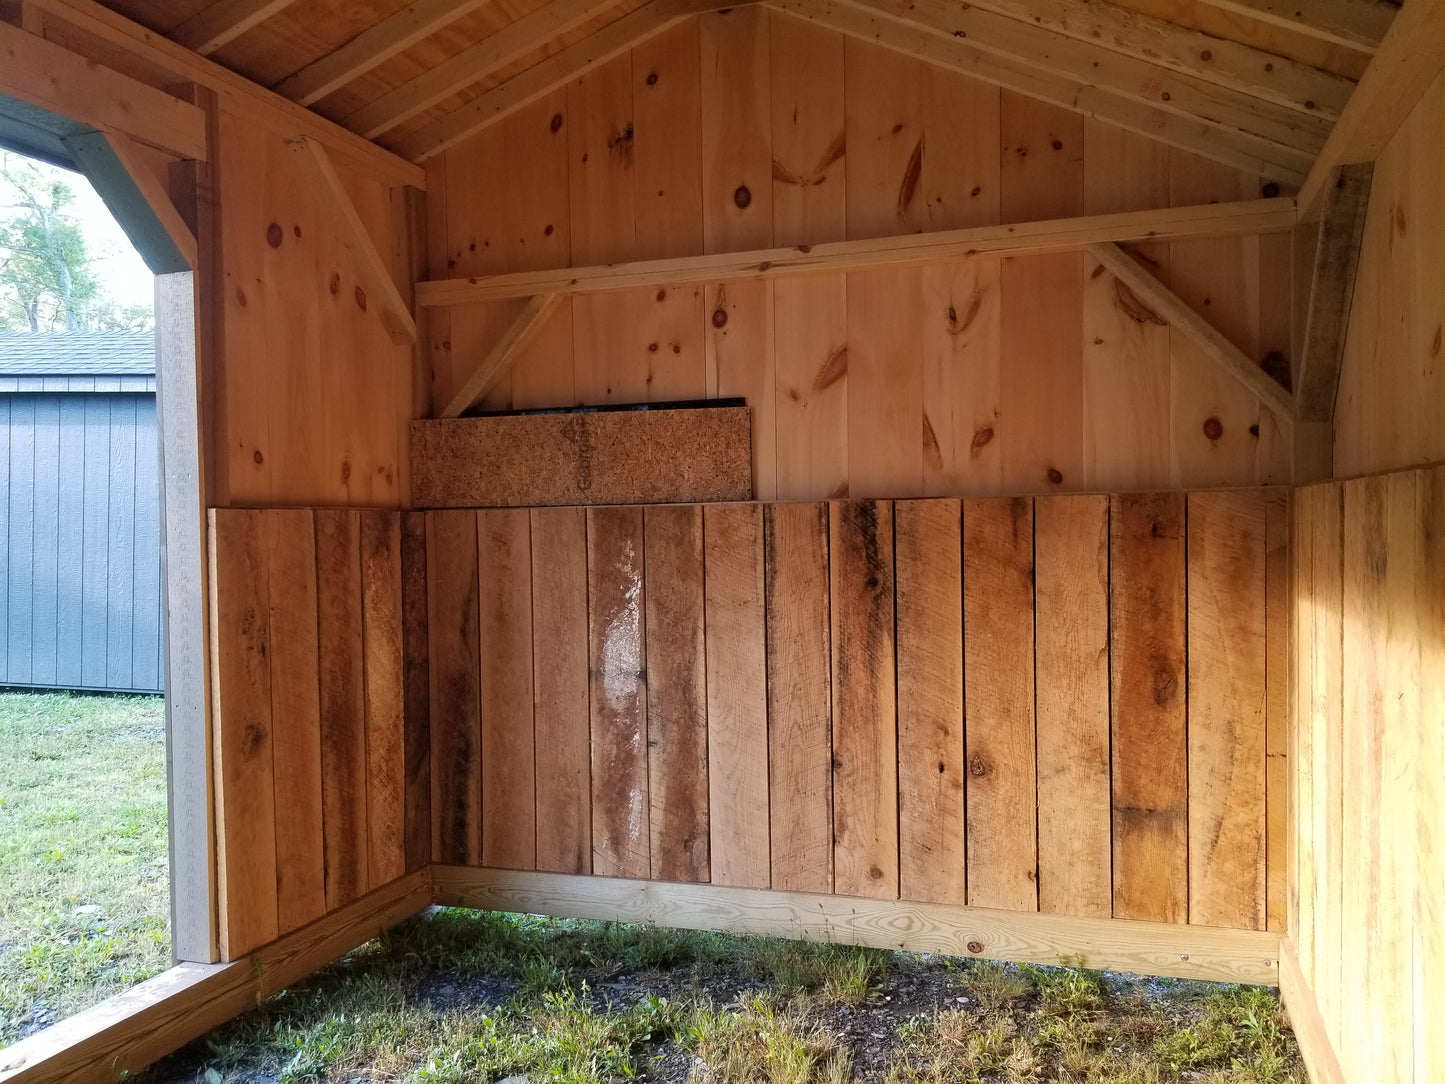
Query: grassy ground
{"x": 84, "y": 899}
{"x": 459, "y": 997}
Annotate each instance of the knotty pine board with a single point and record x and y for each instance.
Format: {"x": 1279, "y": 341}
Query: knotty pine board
{"x": 961, "y": 379}
{"x": 383, "y": 665}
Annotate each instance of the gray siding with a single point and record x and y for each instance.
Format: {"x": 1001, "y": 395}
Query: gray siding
{"x": 80, "y": 540}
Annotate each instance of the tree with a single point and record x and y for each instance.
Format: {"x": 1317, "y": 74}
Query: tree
{"x": 46, "y": 277}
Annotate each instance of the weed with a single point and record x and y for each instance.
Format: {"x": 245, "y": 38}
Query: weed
{"x": 765, "y": 1043}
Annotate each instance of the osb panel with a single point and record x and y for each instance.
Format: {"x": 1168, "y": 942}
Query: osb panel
{"x": 623, "y": 457}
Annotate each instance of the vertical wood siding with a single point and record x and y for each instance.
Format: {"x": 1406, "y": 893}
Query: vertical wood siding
{"x": 80, "y": 538}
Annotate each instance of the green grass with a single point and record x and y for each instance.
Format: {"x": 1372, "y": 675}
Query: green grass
{"x": 84, "y": 897}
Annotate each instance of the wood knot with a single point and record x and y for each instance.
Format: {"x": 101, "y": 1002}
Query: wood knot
{"x": 1056, "y": 476}
{"x": 1213, "y": 428}
{"x": 975, "y": 947}
{"x": 1166, "y": 684}
{"x": 874, "y": 873}
{"x": 1058, "y": 144}
{"x": 981, "y": 439}
{"x": 297, "y": 231}
{"x": 258, "y": 457}
{"x": 719, "y": 318}
{"x": 274, "y": 235}
{"x": 977, "y": 766}
{"x": 652, "y": 79}
{"x": 556, "y": 124}
{"x": 345, "y": 470}
{"x": 1270, "y": 190}
{"x": 742, "y": 196}
{"x": 335, "y": 284}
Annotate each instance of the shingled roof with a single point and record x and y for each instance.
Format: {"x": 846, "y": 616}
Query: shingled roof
{"x": 90, "y": 353}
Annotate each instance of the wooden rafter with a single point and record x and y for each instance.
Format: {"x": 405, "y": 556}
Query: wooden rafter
{"x": 1215, "y": 60}
{"x": 1170, "y": 307}
{"x": 351, "y": 231}
{"x": 1332, "y": 286}
{"x": 223, "y": 22}
{"x": 137, "y": 200}
{"x": 499, "y": 359}
{"x": 1359, "y": 24}
{"x": 1086, "y": 62}
{"x": 612, "y": 40}
{"x": 1054, "y": 235}
{"x": 1409, "y": 59}
{"x": 55, "y": 79}
{"x": 1206, "y": 138}
{"x": 506, "y": 46}
{"x": 372, "y": 47}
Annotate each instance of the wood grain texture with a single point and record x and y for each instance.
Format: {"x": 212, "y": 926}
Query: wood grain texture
{"x": 1428, "y": 914}
{"x": 416, "y": 692}
{"x": 1147, "y": 628}
{"x": 865, "y": 728}
{"x": 241, "y": 695}
{"x": 344, "y": 794}
{"x": 737, "y": 695}
{"x": 383, "y": 660}
{"x": 1144, "y": 947}
{"x": 621, "y": 832}
{"x": 800, "y": 700}
{"x": 1279, "y": 698}
{"x": 1227, "y": 703}
{"x": 560, "y": 695}
{"x": 504, "y": 569}
{"x": 1071, "y": 543}
{"x": 998, "y": 668}
{"x": 677, "y": 734}
{"x": 455, "y": 652}
{"x": 289, "y": 538}
{"x": 932, "y": 834}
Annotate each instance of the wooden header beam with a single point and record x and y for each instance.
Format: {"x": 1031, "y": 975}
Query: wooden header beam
{"x": 1028, "y": 238}
{"x": 1408, "y": 61}
{"x": 1167, "y": 304}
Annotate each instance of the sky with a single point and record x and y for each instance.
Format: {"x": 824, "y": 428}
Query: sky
{"x": 116, "y": 264}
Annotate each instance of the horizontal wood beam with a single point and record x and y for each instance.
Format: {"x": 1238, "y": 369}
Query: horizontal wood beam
{"x": 1169, "y": 306}
{"x": 546, "y": 76}
{"x": 223, "y": 22}
{"x": 1145, "y": 81}
{"x": 499, "y": 359}
{"x": 1147, "y": 948}
{"x": 512, "y": 43}
{"x": 82, "y": 20}
{"x": 1022, "y": 239}
{"x": 1213, "y": 59}
{"x": 55, "y": 79}
{"x": 371, "y": 47}
{"x": 1359, "y": 24}
{"x": 1408, "y": 61}
{"x": 346, "y": 223}
{"x": 136, "y": 199}
{"x": 1332, "y": 288}
{"x": 1208, "y": 139}
{"x": 125, "y": 1033}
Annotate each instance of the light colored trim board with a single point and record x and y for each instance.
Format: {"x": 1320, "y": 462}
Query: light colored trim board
{"x": 369, "y": 265}
{"x": 1409, "y": 59}
{"x": 1021, "y": 239}
{"x": 52, "y": 77}
{"x": 1168, "y": 305}
{"x": 1332, "y": 287}
{"x": 1359, "y": 24}
{"x": 372, "y": 47}
{"x": 136, "y": 199}
{"x": 191, "y": 820}
{"x": 234, "y": 91}
{"x": 1216, "y": 60}
{"x": 1305, "y": 1019}
{"x": 1206, "y": 138}
{"x": 1148, "y": 948}
{"x": 513, "y": 42}
{"x": 499, "y": 359}
{"x": 547, "y": 75}
{"x": 125, "y": 1033}
{"x": 223, "y": 22}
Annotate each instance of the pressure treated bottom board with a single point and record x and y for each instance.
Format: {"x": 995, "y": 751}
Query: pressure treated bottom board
{"x": 611, "y": 457}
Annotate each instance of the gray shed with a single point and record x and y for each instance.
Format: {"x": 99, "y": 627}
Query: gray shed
{"x": 80, "y": 543}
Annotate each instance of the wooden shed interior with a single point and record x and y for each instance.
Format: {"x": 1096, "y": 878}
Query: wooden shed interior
{"x": 1084, "y": 599}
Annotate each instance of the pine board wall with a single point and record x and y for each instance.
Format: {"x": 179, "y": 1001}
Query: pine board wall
{"x": 1370, "y": 639}
{"x": 748, "y": 128}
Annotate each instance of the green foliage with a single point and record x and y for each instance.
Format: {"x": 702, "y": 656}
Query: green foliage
{"x": 47, "y": 279}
